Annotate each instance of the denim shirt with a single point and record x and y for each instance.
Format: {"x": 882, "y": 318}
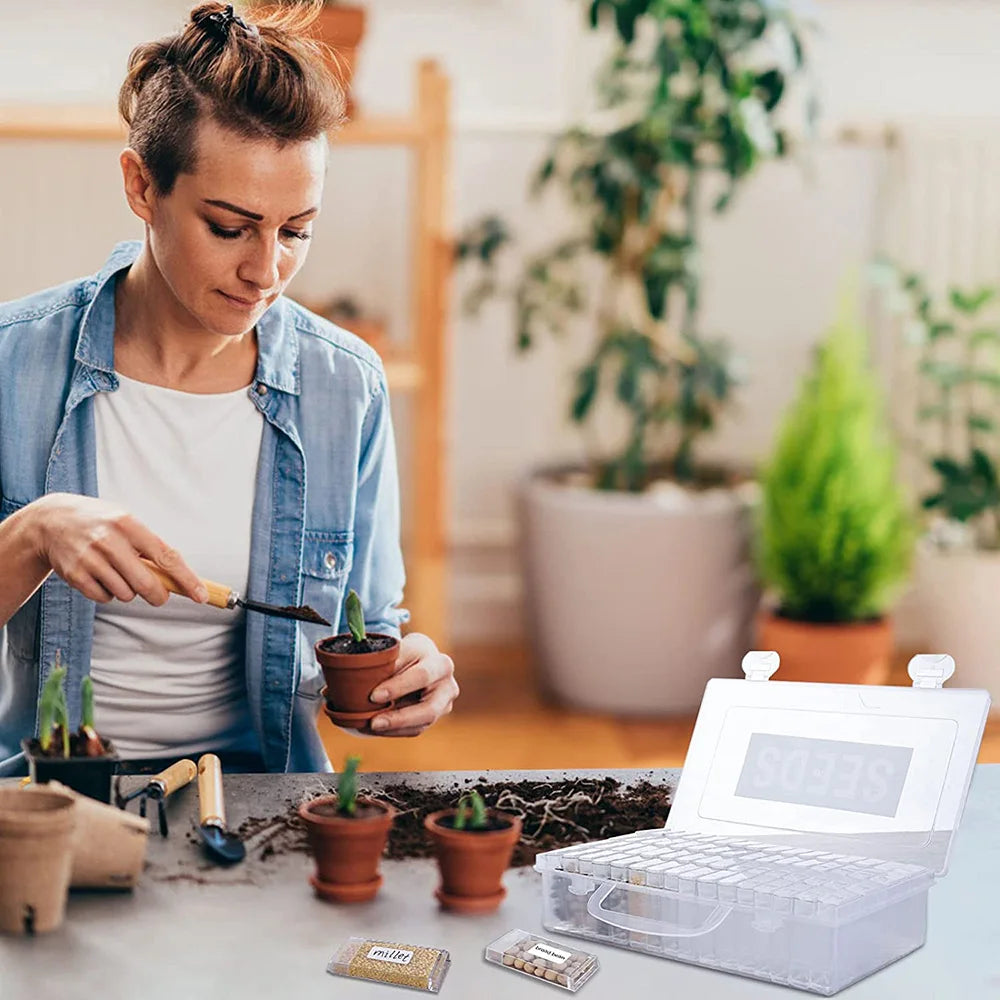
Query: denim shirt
{"x": 325, "y": 513}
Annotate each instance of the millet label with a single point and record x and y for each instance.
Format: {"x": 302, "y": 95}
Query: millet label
{"x": 398, "y": 956}
{"x": 550, "y": 954}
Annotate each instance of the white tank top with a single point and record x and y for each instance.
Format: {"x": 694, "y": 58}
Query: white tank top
{"x": 170, "y": 681}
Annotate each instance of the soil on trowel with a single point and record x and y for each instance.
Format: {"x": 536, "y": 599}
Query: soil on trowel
{"x": 553, "y": 814}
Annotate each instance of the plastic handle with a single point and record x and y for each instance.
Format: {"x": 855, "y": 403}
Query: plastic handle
{"x": 646, "y": 925}
{"x": 211, "y": 807}
{"x": 176, "y": 776}
{"x": 218, "y": 593}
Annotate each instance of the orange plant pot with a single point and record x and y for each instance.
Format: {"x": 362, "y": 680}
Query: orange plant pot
{"x": 840, "y": 653}
{"x": 472, "y": 862}
{"x": 347, "y": 849}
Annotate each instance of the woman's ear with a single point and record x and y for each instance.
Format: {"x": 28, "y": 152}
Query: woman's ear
{"x": 139, "y": 190}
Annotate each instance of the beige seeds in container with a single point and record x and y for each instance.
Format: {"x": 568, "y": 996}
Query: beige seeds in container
{"x": 550, "y": 961}
{"x": 390, "y": 962}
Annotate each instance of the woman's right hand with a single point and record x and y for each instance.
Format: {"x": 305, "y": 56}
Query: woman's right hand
{"x": 95, "y": 547}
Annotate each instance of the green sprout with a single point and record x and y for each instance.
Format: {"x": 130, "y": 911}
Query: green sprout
{"x": 355, "y": 616}
{"x": 49, "y": 705}
{"x": 471, "y": 812}
{"x": 347, "y": 786}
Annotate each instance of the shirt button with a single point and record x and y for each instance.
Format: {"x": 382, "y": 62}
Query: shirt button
{"x": 261, "y": 389}
{"x": 330, "y": 559}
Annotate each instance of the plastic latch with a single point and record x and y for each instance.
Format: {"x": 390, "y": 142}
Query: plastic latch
{"x": 930, "y": 670}
{"x": 759, "y": 664}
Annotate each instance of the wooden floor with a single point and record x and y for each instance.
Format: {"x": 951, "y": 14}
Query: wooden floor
{"x": 501, "y": 723}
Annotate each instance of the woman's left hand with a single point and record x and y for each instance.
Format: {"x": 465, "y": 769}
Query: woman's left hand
{"x": 422, "y": 667}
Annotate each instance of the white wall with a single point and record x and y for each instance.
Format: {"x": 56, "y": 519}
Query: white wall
{"x": 520, "y": 70}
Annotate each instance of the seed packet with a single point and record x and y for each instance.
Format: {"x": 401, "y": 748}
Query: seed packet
{"x": 549, "y": 961}
{"x": 391, "y": 962}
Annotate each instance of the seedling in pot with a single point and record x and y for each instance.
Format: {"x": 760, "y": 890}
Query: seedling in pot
{"x": 473, "y": 845}
{"x": 54, "y": 736}
{"x": 354, "y": 664}
{"x": 347, "y": 836}
{"x": 81, "y": 760}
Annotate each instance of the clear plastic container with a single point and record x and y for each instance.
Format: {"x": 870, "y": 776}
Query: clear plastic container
{"x": 815, "y": 920}
{"x": 409, "y": 965}
{"x": 808, "y": 825}
{"x": 547, "y": 961}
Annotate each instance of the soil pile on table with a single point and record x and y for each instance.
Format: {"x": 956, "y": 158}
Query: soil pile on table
{"x": 554, "y": 814}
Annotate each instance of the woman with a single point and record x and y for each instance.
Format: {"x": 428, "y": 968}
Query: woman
{"x": 175, "y": 406}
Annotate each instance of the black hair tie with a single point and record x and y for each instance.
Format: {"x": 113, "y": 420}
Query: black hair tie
{"x": 220, "y": 22}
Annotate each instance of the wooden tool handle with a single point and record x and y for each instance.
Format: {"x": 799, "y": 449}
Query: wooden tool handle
{"x": 176, "y": 776}
{"x": 210, "y": 804}
{"x": 218, "y": 593}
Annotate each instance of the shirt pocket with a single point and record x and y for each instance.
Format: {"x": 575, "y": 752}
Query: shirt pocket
{"x": 327, "y": 557}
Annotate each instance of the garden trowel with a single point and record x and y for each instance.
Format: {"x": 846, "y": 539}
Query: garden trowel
{"x": 219, "y": 842}
{"x": 221, "y": 596}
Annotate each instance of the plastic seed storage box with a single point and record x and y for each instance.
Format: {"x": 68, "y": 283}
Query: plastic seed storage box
{"x": 809, "y": 822}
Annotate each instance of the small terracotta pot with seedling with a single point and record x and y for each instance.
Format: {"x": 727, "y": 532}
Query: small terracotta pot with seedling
{"x": 474, "y": 846}
{"x": 347, "y": 836}
{"x": 354, "y": 664}
{"x": 82, "y": 760}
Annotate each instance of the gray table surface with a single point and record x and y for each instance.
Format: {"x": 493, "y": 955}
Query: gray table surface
{"x": 256, "y": 930}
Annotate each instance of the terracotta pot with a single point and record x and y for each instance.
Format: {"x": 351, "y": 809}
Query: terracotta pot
{"x": 347, "y": 850}
{"x": 472, "y": 863}
{"x": 351, "y": 677}
{"x": 849, "y": 653}
{"x": 36, "y": 858}
{"x": 342, "y": 26}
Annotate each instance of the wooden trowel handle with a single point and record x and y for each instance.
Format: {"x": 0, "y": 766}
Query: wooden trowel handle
{"x": 176, "y": 776}
{"x": 218, "y": 593}
{"x": 211, "y": 807}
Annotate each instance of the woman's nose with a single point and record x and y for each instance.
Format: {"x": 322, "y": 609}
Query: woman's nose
{"x": 260, "y": 267}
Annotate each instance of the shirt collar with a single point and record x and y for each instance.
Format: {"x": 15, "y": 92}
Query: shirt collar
{"x": 277, "y": 345}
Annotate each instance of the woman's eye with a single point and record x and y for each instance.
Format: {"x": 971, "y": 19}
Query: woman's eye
{"x": 225, "y": 234}
{"x": 295, "y": 234}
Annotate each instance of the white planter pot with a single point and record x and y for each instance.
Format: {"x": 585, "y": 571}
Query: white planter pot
{"x": 635, "y": 600}
{"x": 958, "y": 597}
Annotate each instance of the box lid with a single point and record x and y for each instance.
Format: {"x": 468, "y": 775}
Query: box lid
{"x": 881, "y": 772}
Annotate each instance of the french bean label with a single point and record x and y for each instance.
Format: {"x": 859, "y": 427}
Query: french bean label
{"x": 550, "y": 954}
{"x": 398, "y": 956}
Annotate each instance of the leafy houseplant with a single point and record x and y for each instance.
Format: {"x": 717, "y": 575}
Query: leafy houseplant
{"x": 81, "y": 760}
{"x": 953, "y": 341}
{"x": 347, "y": 835}
{"x": 354, "y": 663}
{"x": 694, "y": 93}
{"x": 474, "y": 845}
{"x": 958, "y": 402}
{"x": 835, "y": 532}
{"x": 691, "y": 103}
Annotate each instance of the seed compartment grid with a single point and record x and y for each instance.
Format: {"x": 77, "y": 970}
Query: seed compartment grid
{"x": 739, "y": 871}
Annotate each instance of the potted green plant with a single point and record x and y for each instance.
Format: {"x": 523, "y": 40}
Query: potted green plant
{"x": 473, "y": 845}
{"x": 36, "y": 858}
{"x": 347, "y": 836}
{"x": 692, "y": 99}
{"x": 836, "y": 534}
{"x": 949, "y": 383}
{"x": 81, "y": 760}
{"x": 354, "y": 663}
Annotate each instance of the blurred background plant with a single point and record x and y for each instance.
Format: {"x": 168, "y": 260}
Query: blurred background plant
{"x": 836, "y": 531}
{"x": 692, "y": 93}
{"x": 955, "y": 337}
